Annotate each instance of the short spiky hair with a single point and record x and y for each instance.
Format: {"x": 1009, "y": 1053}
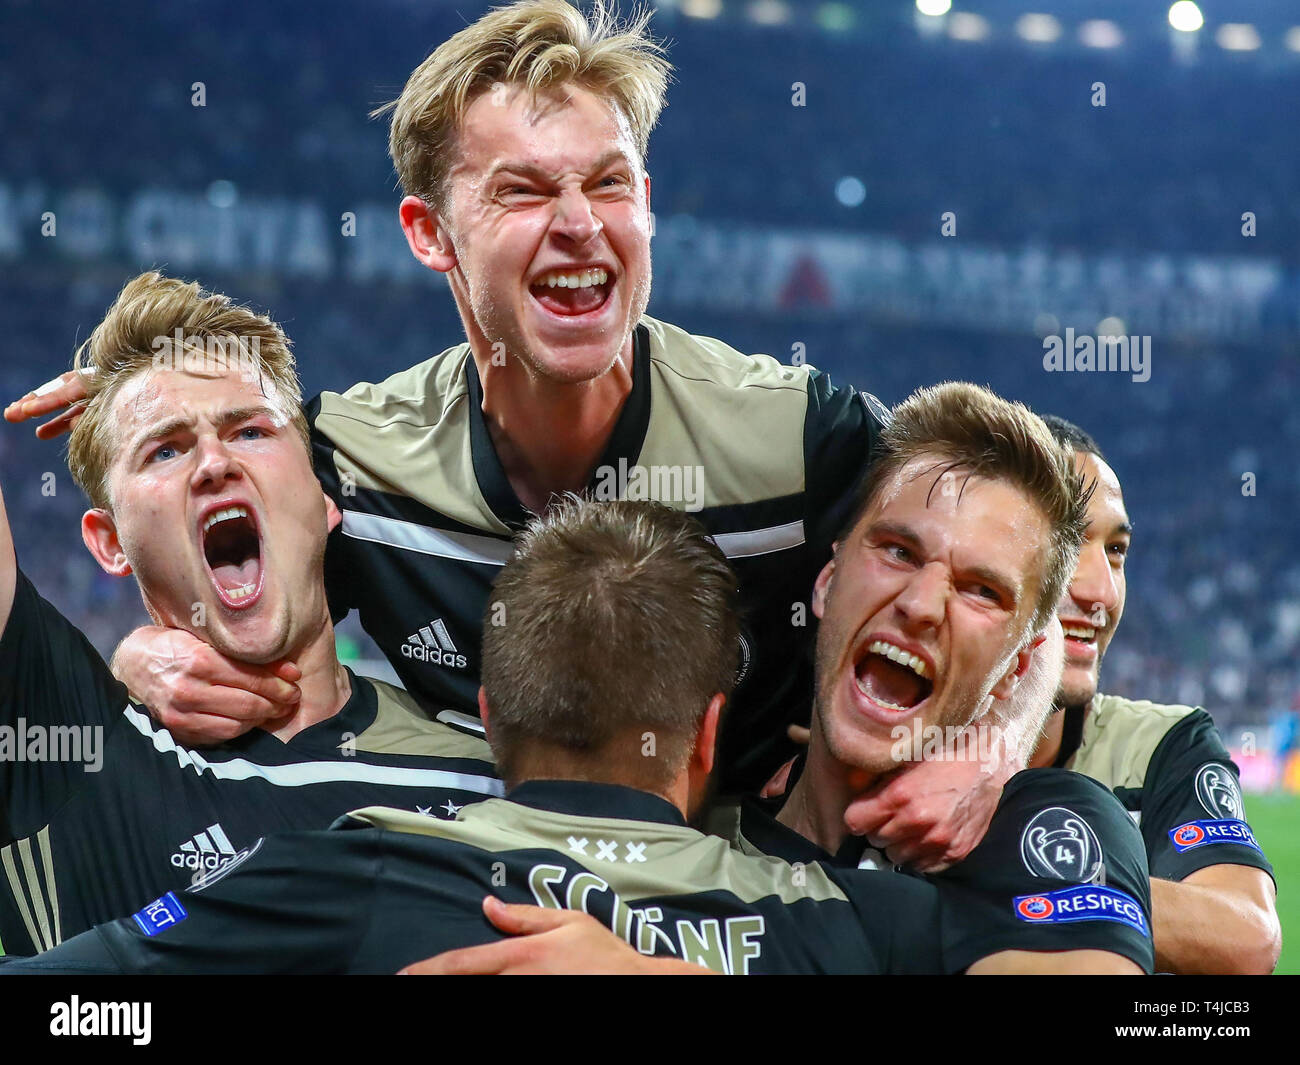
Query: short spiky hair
{"x": 611, "y": 618}
{"x": 535, "y": 44}
{"x": 970, "y": 430}
{"x": 138, "y": 326}
{"x": 1067, "y": 434}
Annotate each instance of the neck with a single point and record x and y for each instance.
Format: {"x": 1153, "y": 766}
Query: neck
{"x": 550, "y": 434}
{"x": 543, "y": 761}
{"x": 816, "y": 805}
{"x": 325, "y": 686}
{"x": 1049, "y": 746}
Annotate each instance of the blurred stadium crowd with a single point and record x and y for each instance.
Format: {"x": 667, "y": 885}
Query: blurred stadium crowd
{"x": 1000, "y": 134}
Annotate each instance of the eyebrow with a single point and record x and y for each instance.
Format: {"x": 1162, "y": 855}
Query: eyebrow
{"x": 612, "y": 156}
{"x": 224, "y": 420}
{"x": 980, "y": 571}
{"x": 1122, "y": 527}
{"x": 893, "y": 528}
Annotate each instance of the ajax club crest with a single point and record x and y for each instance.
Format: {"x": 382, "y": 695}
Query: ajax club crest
{"x": 1060, "y": 844}
{"x": 1217, "y": 790}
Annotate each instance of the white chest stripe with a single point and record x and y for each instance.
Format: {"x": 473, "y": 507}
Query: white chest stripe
{"x": 761, "y": 541}
{"x": 397, "y": 533}
{"x": 468, "y": 547}
{"x": 300, "y": 774}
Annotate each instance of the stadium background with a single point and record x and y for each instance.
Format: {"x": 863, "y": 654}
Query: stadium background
{"x": 802, "y": 173}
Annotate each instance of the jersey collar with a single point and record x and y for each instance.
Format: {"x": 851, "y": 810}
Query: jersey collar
{"x": 624, "y": 443}
{"x": 356, "y": 715}
{"x": 759, "y": 825}
{"x": 583, "y": 798}
{"x": 1071, "y": 734}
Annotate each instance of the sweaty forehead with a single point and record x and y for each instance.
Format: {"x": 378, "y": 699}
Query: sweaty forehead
{"x": 149, "y": 397}
{"x": 987, "y": 519}
{"x": 564, "y": 127}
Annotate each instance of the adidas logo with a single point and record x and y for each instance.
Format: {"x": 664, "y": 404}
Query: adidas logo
{"x": 433, "y": 644}
{"x": 208, "y": 850}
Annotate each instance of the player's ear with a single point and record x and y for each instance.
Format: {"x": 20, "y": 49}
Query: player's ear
{"x": 822, "y": 586}
{"x": 99, "y": 534}
{"x": 483, "y": 713}
{"x": 427, "y": 235}
{"x": 706, "y": 736}
{"x": 1019, "y": 666}
{"x": 333, "y": 519}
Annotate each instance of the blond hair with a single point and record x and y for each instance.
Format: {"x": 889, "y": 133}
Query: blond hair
{"x": 611, "y": 620}
{"x": 973, "y": 432}
{"x": 137, "y": 332}
{"x": 534, "y": 44}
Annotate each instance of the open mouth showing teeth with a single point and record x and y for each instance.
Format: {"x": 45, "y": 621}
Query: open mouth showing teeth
{"x": 892, "y": 677}
{"x": 1080, "y": 632}
{"x": 233, "y": 551}
{"x": 573, "y": 292}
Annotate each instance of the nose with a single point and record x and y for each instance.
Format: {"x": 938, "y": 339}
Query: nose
{"x": 574, "y": 218}
{"x": 214, "y": 464}
{"x": 924, "y": 599}
{"x": 1093, "y": 587}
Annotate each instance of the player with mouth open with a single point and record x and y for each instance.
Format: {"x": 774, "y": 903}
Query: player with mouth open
{"x": 200, "y": 483}
{"x": 520, "y": 144}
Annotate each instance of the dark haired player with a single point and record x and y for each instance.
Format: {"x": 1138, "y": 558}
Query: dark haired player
{"x": 1212, "y": 894}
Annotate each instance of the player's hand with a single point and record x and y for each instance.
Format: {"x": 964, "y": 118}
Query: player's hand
{"x": 198, "y": 694}
{"x": 547, "y": 942}
{"x": 930, "y": 814}
{"x": 65, "y": 393}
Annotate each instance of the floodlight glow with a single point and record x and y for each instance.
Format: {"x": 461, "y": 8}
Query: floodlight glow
{"x": 769, "y": 12}
{"x": 850, "y": 191}
{"x": 1186, "y": 16}
{"x": 702, "y": 8}
{"x": 963, "y": 26}
{"x": 934, "y": 7}
{"x": 1040, "y": 28}
{"x": 1100, "y": 33}
{"x": 835, "y": 17}
{"x": 1237, "y": 37}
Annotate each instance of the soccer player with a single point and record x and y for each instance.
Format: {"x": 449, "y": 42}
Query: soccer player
{"x": 193, "y": 452}
{"x": 968, "y": 528}
{"x": 604, "y": 767}
{"x": 1212, "y": 893}
{"x": 520, "y": 144}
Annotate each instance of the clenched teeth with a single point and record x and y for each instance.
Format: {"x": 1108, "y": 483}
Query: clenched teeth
{"x": 1078, "y": 632}
{"x": 224, "y": 515}
{"x": 581, "y": 279}
{"x": 903, "y": 658}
